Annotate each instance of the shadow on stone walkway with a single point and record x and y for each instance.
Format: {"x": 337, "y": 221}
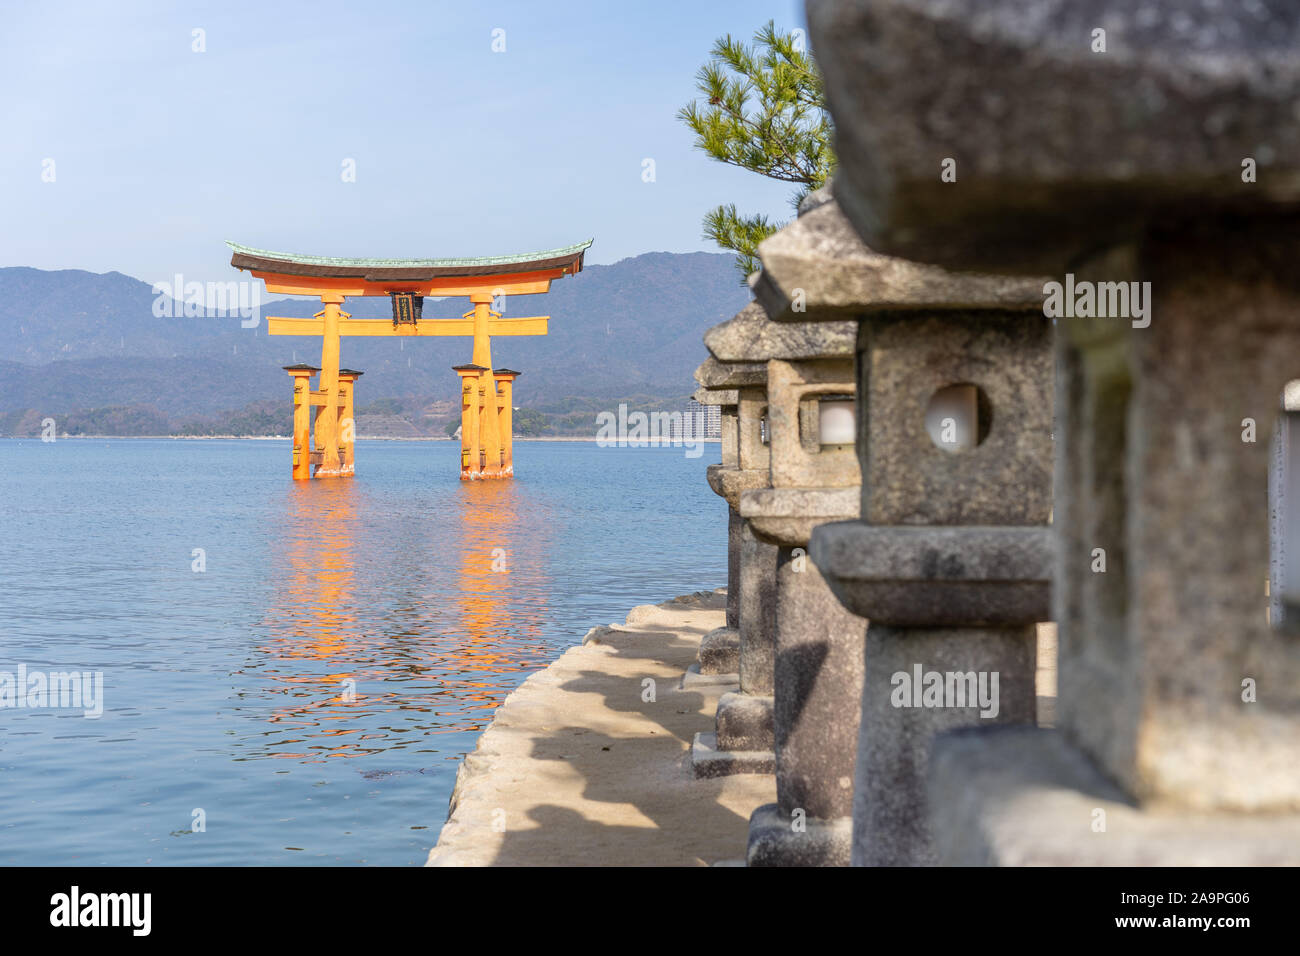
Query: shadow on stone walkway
{"x": 587, "y": 763}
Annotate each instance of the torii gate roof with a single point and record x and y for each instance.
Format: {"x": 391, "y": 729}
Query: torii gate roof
{"x": 568, "y": 259}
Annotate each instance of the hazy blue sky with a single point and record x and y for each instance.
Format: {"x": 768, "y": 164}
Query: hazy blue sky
{"x": 160, "y": 153}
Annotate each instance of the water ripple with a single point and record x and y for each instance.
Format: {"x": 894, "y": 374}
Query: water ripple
{"x": 312, "y": 688}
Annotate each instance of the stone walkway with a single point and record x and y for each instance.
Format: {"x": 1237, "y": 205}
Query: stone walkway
{"x": 583, "y": 765}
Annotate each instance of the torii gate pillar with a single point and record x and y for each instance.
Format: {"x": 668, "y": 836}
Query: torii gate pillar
{"x": 489, "y": 457}
{"x": 327, "y": 419}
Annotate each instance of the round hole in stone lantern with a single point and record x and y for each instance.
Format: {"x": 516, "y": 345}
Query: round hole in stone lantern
{"x": 958, "y": 417}
{"x": 836, "y": 420}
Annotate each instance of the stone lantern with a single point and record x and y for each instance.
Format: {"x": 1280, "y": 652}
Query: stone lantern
{"x": 743, "y": 740}
{"x": 816, "y": 646}
{"x": 727, "y": 399}
{"x": 950, "y": 560}
{"x": 739, "y": 390}
{"x": 1165, "y": 206}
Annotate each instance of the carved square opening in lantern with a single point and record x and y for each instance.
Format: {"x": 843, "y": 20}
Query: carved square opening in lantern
{"x": 827, "y": 420}
{"x": 407, "y": 307}
{"x": 813, "y": 423}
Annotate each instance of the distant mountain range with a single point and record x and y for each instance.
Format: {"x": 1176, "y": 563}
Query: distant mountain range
{"x": 87, "y": 348}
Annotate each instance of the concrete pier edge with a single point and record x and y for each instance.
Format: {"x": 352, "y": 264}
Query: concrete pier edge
{"x": 587, "y": 762}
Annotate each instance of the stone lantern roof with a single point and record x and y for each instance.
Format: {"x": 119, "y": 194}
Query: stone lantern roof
{"x": 1069, "y": 123}
{"x": 729, "y": 375}
{"x": 751, "y": 336}
{"x": 819, "y": 269}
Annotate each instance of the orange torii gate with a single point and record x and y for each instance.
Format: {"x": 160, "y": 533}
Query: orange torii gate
{"x": 485, "y": 444}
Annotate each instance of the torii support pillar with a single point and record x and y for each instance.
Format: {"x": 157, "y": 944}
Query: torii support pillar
{"x": 505, "y": 378}
{"x": 347, "y": 421}
{"x": 471, "y": 454}
{"x": 302, "y": 376}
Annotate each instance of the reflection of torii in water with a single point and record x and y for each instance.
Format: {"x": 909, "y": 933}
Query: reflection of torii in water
{"x": 311, "y": 617}
{"x": 323, "y": 632}
{"x": 486, "y": 446}
{"x": 488, "y": 518}
{"x": 319, "y": 545}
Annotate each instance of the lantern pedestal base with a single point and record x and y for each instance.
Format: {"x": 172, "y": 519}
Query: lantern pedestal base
{"x": 746, "y": 721}
{"x": 720, "y": 651}
{"x": 695, "y": 679}
{"x": 777, "y": 838}
{"x": 707, "y": 760}
{"x": 744, "y": 740}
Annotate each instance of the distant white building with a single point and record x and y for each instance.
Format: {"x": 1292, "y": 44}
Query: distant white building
{"x": 696, "y": 421}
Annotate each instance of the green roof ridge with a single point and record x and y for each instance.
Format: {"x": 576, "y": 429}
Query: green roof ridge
{"x": 409, "y": 263}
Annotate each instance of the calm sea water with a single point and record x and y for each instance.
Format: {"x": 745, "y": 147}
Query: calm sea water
{"x": 225, "y": 689}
